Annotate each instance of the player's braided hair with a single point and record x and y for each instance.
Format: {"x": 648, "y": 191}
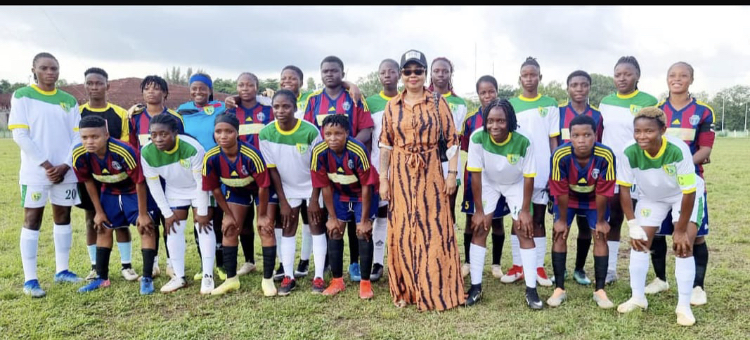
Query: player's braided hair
{"x": 632, "y": 61}
{"x": 654, "y": 113}
{"x": 167, "y": 119}
{"x": 510, "y": 114}
{"x": 337, "y": 120}
{"x": 158, "y": 81}
{"x": 431, "y": 88}
{"x": 531, "y": 61}
{"x": 288, "y": 94}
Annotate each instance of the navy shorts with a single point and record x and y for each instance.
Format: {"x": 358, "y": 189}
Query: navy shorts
{"x": 352, "y": 211}
{"x": 467, "y": 206}
{"x": 590, "y": 215}
{"x": 122, "y": 210}
{"x": 237, "y": 196}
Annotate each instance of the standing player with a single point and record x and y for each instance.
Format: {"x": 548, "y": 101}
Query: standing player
{"x": 539, "y": 118}
{"x": 123, "y": 200}
{"x": 579, "y": 85}
{"x": 252, "y": 116}
{"x": 693, "y": 122}
{"x": 582, "y": 181}
{"x": 388, "y": 74}
{"x": 487, "y": 92}
{"x": 341, "y": 167}
{"x": 118, "y": 126}
{"x": 501, "y": 160}
{"x": 441, "y": 80}
{"x": 236, "y": 173}
{"x": 44, "y": 121}
{"x": 178, "y": 160}
{"x": 288, "y": 141}
{"x": 663, "y": 168}
{"x": 335, "y": 99}
{"x": 617, "y": 112}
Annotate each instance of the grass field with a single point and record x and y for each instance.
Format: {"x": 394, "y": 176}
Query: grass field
{"x": 120, "y": 312}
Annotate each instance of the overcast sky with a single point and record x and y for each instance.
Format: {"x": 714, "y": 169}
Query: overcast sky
{"x": 224, "y": 41}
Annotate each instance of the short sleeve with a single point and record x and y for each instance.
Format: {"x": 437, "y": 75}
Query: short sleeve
{"x": 210, "y": 174}
{"x": 686, "y": 176}
{"x": 386, "y": 134}
{"x": 319, "y": 170}
{"x": 529, "y": 162}
{"x": 625, "y": 175}
{"x": 558, "y": 183}
{"x": 475, "y": 161}
{"x": 606, "y": 180}
{"x": 81, "y": 165}
{"x": 554, "y": 121}
{"x": 706, "y": 134}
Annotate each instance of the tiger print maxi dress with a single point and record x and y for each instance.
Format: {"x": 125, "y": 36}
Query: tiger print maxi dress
{"x": 423, "y": 261}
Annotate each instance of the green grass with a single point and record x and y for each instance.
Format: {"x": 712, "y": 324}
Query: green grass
{"x": 120, "y": 312}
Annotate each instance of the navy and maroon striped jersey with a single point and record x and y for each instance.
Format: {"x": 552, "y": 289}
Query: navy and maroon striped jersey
{"x": 242, "y": 176}
{"x": 346, "y": 173}
{"x": 320, "y": 105}
{"x": 252, "y": 120}
{"x": 694, "y": 124}
{"x": 119, "y": 171}
{"x": 567, "y": 113}
{"x": 139, "y": 123}
{"x": 582, "y": 183}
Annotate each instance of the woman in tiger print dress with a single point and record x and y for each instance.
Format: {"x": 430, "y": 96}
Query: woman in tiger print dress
{"x": 423, "y": 262}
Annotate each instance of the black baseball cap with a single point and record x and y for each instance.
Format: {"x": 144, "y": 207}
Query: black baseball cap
{"x": 413, "y": 56}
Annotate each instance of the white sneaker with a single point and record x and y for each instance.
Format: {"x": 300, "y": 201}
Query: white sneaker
{"x": 557, "y": 299}
{"x": 174, "y": 284}
{"x": 465, "y": 269}
{"x": 698, "y": 298}
{"x": 155, "y": 271}
{"x": 129, "y": 274}
{"x": 632, "y": 304}
{"x": 684, "y": 316}
{"x": 497, "y": 271}
{"x": 246, "y": 268}
{"x": 207, "y": 284}
{"x": 92, "y": 275}
{"x": 656, "y": 286}
{"x": 170, "y": 271}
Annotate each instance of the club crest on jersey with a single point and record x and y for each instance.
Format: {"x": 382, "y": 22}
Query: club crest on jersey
{"x": 670, "y": 169}
{"x": 513, "y": 158}
{"x": 244, "y": 170}
{"x": 695, "y": 119}
{"x": 635, "y": 108}
{"x": 209, "y": 110}
{"x": 261, "y": 116}
{"x": 543, "y": 111}
{"x": 453, "y": 107}
{"x": 116, "y": 165}
{"x": 645, "y": 212}
{"x": 350, "y": 164}
{"x": 595, "y": 173}
{"x": 302, "y": 148}
{"x": 65, "y": 106}
{"x": 346, "y": 106}
{"x": 185, "y": 163}
{"x": 36, "y": 196}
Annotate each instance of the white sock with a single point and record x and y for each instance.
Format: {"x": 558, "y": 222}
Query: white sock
{"x": 288, "y": 245}
{"x": 320, "y": 248}
{"x": 63, "y": 240}
{"x": 92, "y": 253}
{"x": 639, "y": 263}
{"x": 541, "y": 250}
{"x": 124, "y": 252}
{"x": 379, "y": 233}
{"x": 528, "y": 257}
{"x": 278, "y": 232}
{"x": 307, "y": 243}
{"x": 476, "y": 255}
{"x": 176, "y": 245}
{"x": 207, "y": 243}
{"x": 156, "y": 260}
{"x": 515, "y": 250}
{"x": 684, "y": 272}
{"x": 29, "y": 244}
{"x": 614, "y": 249}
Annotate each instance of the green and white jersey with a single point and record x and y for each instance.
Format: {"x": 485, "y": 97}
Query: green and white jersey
{"x": 539, "y": 119}
{"x": 290, "y": 153}
{"x": 377, "y": 104}
{"x": 457, "y": 106}
{"x": 618, "y": 112}
{"x": 502, "y": 163}
{"x": 45, "y": 127}
{"x": 668, "y": 174}
{"x": 302, "y": 104}
{"x": 180, "y": 168}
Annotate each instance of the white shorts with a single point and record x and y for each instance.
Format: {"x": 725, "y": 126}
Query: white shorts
{"x": 63, "y": 194}
{"x": 296, "y": 202}
{"x": 539, "y": 196}
{"x": 513, "y": 197}
{"x": 184, "y": 202}
{"x": 652, "y": 213}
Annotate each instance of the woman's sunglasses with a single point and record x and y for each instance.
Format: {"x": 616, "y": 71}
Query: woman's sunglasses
{"x": 418, "y": 71}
